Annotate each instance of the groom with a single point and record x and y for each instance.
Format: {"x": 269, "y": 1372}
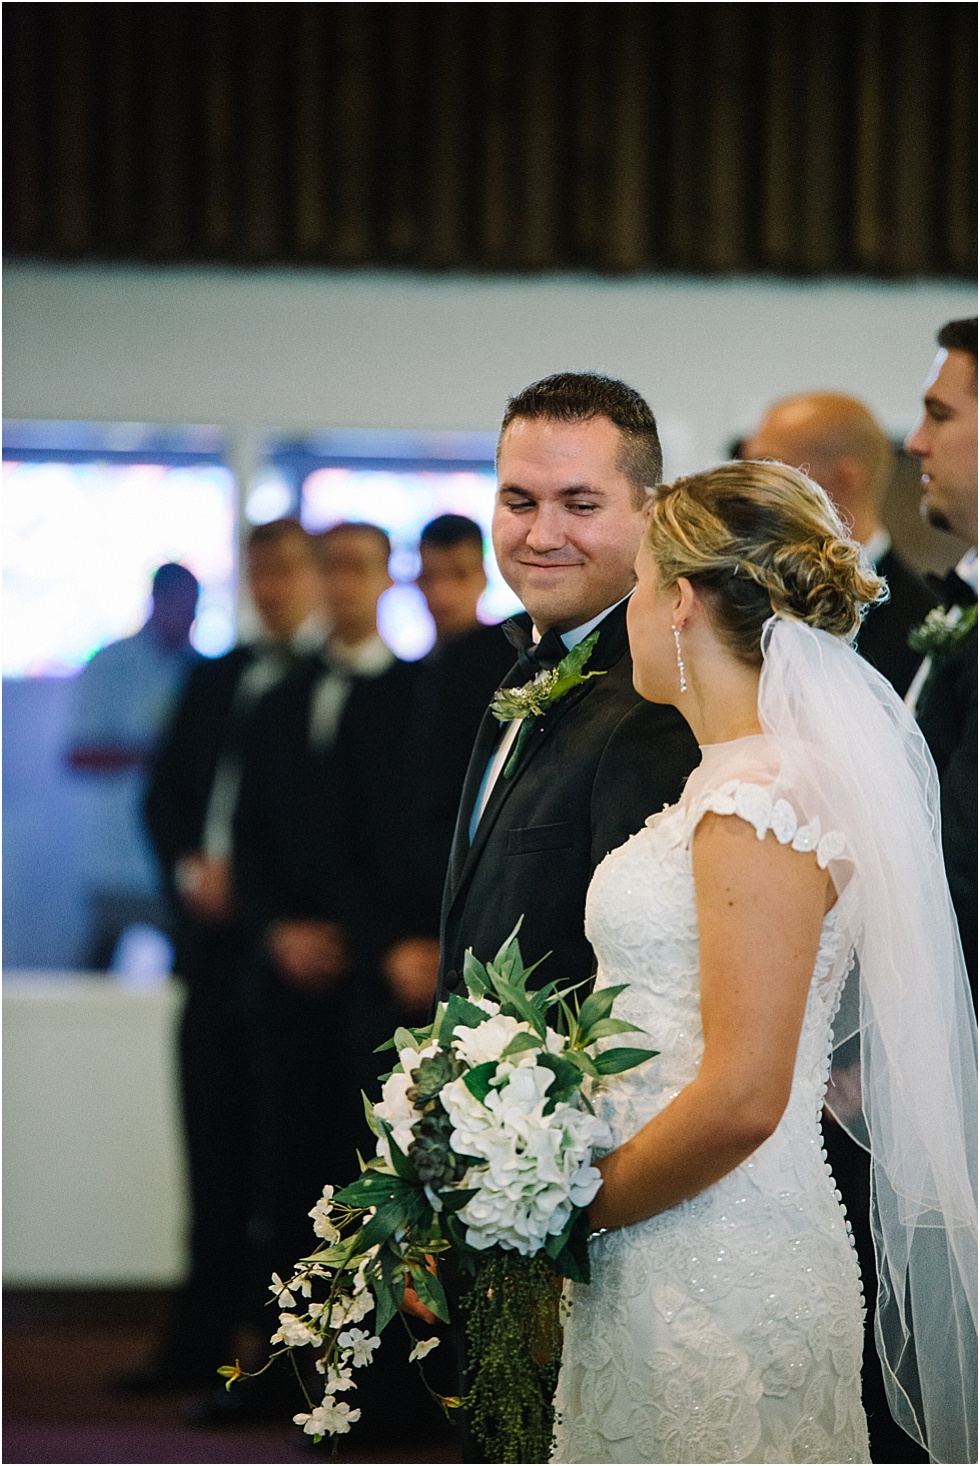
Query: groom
{"x": 576, "y": 455}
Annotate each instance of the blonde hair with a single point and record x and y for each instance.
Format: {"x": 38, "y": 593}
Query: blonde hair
{"x": 758, "y": 538}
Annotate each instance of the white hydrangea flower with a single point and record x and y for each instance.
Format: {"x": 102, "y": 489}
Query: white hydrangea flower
{"x": 293, "y": 1332}
{"x": 421, "y": 1348}
{"x": 487, "y": 1004}
{"x": 534, "y": 1168}
{"x": 358, "y": 1346}
{"x": 485, "y": 1043}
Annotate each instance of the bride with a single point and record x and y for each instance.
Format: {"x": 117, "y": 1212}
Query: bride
{"x": 724, "y": 1317}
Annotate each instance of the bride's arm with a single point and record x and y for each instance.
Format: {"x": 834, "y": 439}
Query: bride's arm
{"x": 760, "y": 909}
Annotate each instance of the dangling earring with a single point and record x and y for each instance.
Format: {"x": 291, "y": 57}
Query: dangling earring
{"x": 680, "y": 659}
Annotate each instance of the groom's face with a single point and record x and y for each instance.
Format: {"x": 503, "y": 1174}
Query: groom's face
{"x": 565, "y": 526}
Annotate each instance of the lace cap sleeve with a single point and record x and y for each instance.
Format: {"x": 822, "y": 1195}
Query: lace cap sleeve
{"x": 756, "y": 804}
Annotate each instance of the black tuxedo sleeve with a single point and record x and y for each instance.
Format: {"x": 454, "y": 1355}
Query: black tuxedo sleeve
{"x": 183, "y": 770}
{"x": 948, "y": 719}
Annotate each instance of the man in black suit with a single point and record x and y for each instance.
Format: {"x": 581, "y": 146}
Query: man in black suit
{"x": 189, "y": 806}
{"x": 576, "y": 454}
{"x": 945, "y": 696}
{"x": 839, "y": 443}
{"x": 454, "y": 685}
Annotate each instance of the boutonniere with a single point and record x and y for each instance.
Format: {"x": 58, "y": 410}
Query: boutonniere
{"x": 942, "y": 631}
{"x": 512, "y": 704}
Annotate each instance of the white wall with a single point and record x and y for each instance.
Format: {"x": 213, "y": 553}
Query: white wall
{"x": 315, "y": 350}
{"x": 93, "y": 1175}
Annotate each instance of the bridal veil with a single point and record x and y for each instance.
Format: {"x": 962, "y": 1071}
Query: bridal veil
{"x": 905, "y": 1037}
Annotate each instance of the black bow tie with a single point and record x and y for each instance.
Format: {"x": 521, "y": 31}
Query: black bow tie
{"x": 534, "y": 657}
{"x": 952, "y": 591}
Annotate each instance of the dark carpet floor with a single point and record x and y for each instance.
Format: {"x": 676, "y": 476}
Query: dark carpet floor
{"x": 60, "y": 1351}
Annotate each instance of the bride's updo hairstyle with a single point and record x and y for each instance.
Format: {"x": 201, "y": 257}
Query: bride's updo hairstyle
{"x": 758, "y": 538}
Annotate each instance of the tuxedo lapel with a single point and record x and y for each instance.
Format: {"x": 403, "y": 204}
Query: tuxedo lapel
{"x": 609, "y": 648}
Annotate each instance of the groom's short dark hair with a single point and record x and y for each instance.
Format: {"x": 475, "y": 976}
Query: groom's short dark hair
{"x": 961, "y": 336}
{"x": 578, "y": 396}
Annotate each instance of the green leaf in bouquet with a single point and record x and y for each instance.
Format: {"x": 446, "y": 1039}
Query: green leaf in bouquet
{"x": 598, "y": 1005}
{"x": 431, "y": 1292}
{"x": 385, "y": 1303}
{"x": 369, "y": 1116}
{"x": 370, "y": 1189}
{"x": 509, "y": 949}
{"x": 555, "y": 1244}
{"x": 417, "y": 1038}
{"x": 516, "y": 1004}
{"x": 616, "y": 1061}
{"x": 606, "y": 1027}
{"x": 454, "y": 1200}
{"x": 337, "y": 1255}
{"x": 386, "y": 1220}
{"x": 567, "y": 1080}
{"x": 403, "y": 1166}
{"x": 477, "y": 1079}
{"x": 456, "y": 1233}
{"x": 475, "y": 975}
{"x": 583, "y": 1062}
{"x": 573, "y": 1261}
{"x": 520, "y": 1043}
{"x": 459, "y": 1011}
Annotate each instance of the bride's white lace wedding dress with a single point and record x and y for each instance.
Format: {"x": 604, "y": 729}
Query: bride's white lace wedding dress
{"x": 730, "y": 1327}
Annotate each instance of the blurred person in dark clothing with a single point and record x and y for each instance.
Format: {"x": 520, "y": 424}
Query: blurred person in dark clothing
{"x": 455, "y": 683}
{"x": 189, "y": 807}
{"x": 303, "y": 851}
{"x": 839, "y": 443}
{"x": 944, "y": 693}
{"x": 320, "y": 750}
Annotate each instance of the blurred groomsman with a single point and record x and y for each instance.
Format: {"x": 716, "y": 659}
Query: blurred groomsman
{"x": 304, "y": 851}
{"x": 455, "y": 683}
{"x": 837, "y": 441}
{"x": 944, "y": 695}
{"x": 189, "y": 808}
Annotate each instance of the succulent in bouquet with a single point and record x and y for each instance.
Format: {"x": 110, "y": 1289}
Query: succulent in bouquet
{"x": 485, "y": 1139}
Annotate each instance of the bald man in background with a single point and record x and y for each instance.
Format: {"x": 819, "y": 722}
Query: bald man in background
{"x": 840, "y": 444}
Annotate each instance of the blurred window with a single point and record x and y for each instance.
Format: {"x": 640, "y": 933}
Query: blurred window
{"x": 90, "y": 510}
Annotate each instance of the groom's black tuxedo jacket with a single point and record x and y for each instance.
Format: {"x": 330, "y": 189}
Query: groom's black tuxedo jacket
{"x": 595, "y": 766}
{"x": 947, "y": 714}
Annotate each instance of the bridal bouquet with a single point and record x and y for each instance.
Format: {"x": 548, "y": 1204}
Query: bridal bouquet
{"x": 485, "y": 1138}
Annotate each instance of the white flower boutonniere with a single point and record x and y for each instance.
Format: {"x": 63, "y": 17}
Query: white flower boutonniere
{"x": 942, "y": 631}
{"x": 542, "y": 692}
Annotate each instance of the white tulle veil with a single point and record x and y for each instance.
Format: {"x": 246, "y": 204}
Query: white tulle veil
{"x": 905, "y": 1037}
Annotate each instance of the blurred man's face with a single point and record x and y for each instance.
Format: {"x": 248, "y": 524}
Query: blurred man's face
{"x": 353, "y": 578}
{"x": 283, "y": 583}
{"x": 174, "y": 609}
{"x": 945, "y": 443}
{"x": 452, "y": 580}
